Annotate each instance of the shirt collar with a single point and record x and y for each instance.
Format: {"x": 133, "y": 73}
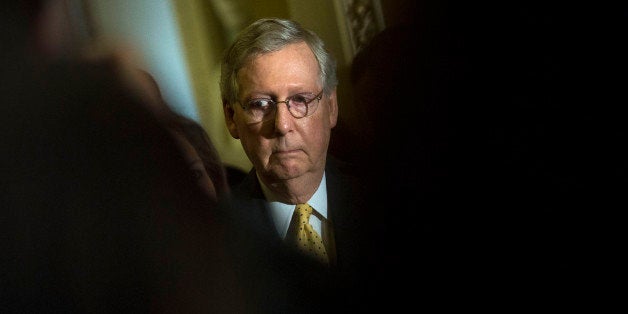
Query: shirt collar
{"x": 282, "y": 212}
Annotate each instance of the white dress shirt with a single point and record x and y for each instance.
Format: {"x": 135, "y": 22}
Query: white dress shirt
{"x": 282, "y": 212}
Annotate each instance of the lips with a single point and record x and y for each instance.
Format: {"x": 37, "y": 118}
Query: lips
{"x": 281, "y": 152}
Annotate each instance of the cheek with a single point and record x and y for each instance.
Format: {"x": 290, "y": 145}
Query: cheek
{"x": 322, "y": 139}
{"x": 256, "y": 147}
{"x": 255, "y": 137}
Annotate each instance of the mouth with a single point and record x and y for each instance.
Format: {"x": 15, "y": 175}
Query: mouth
{"x": 286, "y": 152}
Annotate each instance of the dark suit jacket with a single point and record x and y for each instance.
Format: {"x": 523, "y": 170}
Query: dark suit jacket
{"x": 344, "y": 211}
{"x": 288, "y": 268}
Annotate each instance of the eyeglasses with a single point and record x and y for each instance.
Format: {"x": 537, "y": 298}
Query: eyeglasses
{"x": 299, "y": 106}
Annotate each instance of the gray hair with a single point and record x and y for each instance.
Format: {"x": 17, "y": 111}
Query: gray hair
{"x": 269, "y": 35}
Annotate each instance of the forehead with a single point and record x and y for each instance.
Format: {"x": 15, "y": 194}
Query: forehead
{"x": 292, "y": 66}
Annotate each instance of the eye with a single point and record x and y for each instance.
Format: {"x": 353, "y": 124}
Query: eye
{"x": 259, "y": 104}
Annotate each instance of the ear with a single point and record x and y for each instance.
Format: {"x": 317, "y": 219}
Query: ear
{"x": 333, "y": 109}
{"x": 229, "y": 119}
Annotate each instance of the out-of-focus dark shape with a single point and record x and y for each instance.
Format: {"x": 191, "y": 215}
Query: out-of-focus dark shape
{"x": 489, "y": 146}
{"x": 202, "y": 156}
{"x": 99, "y": 210}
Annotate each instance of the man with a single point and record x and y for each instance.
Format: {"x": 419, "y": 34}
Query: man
{"x": 278, "y": 88}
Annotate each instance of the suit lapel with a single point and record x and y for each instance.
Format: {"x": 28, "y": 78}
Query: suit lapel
{"x": 249, "y": 202}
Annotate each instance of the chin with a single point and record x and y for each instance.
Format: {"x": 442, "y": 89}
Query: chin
{"x": 286, "y": 172}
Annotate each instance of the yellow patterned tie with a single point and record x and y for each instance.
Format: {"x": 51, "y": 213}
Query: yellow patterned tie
{"x": 304, "y": 237}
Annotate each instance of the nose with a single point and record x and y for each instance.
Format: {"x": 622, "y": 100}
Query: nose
{"x": 283, "y": 118}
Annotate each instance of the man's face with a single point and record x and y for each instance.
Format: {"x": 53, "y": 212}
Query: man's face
{"x": 283, "y": 147}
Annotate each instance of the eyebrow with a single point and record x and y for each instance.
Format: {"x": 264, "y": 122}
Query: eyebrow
{"x": 260, "y": 94}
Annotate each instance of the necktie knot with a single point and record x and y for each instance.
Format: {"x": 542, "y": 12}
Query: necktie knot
{"x": 304, "y": 211}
